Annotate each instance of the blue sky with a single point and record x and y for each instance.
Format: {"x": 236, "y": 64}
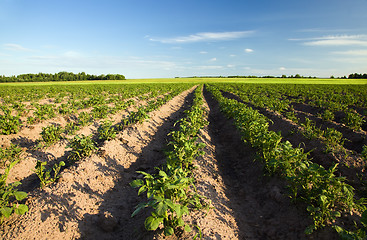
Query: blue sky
{"x": 156, "y": 38}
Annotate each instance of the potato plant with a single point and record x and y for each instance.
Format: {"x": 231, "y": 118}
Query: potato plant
{"x": 10, "y": 196}
{"x": 45, "y": 175}
{"x": 51, "y": 134}
{"x": 9, "y": 124}
{"x": 81, "y": 147}
{"x": 106, "y": 131}
{"x": 9, "y": 154}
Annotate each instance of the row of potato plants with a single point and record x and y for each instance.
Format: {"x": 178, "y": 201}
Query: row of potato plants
{"x": 332, "y": 138}
{"x": 171, "y": 191}
{"x": 67, "y": 104}
{"x": 327, "y": 196}
{"x": 351, "y": 101}
{"x": 81, "y": 147}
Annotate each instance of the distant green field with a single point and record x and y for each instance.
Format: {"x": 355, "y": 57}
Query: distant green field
{"x": 203, "y": 80}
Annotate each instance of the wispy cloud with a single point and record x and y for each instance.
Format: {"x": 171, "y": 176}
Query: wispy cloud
{"x": 361, "y": 52}
{"x": 249, "y": 50}
{"x": 205, "y": 36}
{"x": 336, "y": 40}
{"x": 213, "y": 59}
{"x": 203, "y": 52}
{"x": 16, "y": 47}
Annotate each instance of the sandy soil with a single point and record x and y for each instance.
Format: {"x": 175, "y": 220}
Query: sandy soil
{"x": 93, "y": 199}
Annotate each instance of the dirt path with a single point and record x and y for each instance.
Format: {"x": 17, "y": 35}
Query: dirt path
{"x": 93, "y": 200}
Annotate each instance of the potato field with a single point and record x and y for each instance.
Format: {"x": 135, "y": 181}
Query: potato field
{"x": 183, "y": 161}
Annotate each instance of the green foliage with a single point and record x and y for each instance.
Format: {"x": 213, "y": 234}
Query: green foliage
{"x": 327, "y": 115}
{"x": 44, "y": 111}
{"x": 100, "y": 111}
{"x": 82, "y": 146}
{"x": 139, "y": 116}
{"x": 326, "y": 195}
{"x": 291, "y": 115}
{"x": 9, "y": 154}
{"x": 84, "y": 118}
{"x": 9, "y": 124}
{"x": 106, "y": 132}
{"x": 51, "y": 134}
{"x": 333, "y": 138}
{"x": 71, "y": 128}
{"x": 61, "y": 76}
{"x": 310, "y": 130}
{"x": 31, "y": 120}
{"x": 45, "y": 175}
{"x": 171, "y": 192}
{"x": 353, "y": 120}
{"x": 163, "y": 191}
{"x": 66, "y": 109}
{"x": 364, "y": 152}
{"x": 360, "y": 233}
{"x": 10, "y": 196}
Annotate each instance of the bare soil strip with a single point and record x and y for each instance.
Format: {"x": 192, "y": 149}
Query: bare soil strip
{"x": 93, "y": 199}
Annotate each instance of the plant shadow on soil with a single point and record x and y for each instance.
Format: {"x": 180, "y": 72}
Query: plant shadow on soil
{"x": 260, "y": 204}
{"x": 113, "y": 220}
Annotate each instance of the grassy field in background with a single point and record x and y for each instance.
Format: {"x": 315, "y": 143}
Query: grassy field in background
{"x": 202, "y": 80}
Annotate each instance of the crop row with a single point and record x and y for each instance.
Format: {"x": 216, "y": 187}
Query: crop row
{"x": 81, "y": 147}
{"x": 15, "y": 113}
{"x": 327, "y": 196}
{"x": 335, "y": 143}
{"x": 171, "y": 191}
{"x": 345, "y": 104}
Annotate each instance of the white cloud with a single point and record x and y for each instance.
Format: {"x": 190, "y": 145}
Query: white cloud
{"x": 249, "y": 50}
{"x": 231, "y": 65}
{"x": 213, "y": 59}
{"x": 232, "y": 55}
{"x": 335, "y": 40}
{"x": 282, "y": 68}
{"x": 206, "y": 36}
{"x": 203, "y": 52}
{"x": 361, "y": 52}
{"x": 16, "y": 47}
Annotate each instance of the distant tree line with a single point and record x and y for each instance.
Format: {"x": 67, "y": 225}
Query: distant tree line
{"x": 252, "y": 76}
{"x": 61, "y": 76}
{"x": 357, "y": 76}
